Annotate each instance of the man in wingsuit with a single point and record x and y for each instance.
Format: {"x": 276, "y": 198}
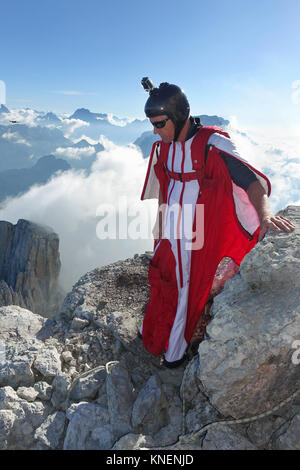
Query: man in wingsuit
{"x": 213, "y": 204}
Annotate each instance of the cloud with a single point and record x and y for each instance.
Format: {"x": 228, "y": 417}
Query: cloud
{"x": 116, "y": 121}
{"x": 74, "y": 153}
{"x": 15, "y": 138}
{"x": 74, "y": 203}
{"x": 22, "y": 116}
{"x": 88, "y": 139}
{"x": 276, "y": 152}
{"x": 68, "y": 126}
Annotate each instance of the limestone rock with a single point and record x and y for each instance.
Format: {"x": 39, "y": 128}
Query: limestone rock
{"x": 19, "y": 344}
{"x": 7, "y": 419}
{"x": 246, "y": 364}
{"x": 19, "y": 323}
{"x": 134, "y": 442}
{"x": 224, "y": 438}
{"x": 59, "y": 398}
{"x": 7, "y": 396}
{"x": 79, "y": 323}
{"x": 123, "y": 325}
{"x": 120, "y": 396}
{"x": 169, "y": 433}
{"x": 44, "y": 390}
{"x": 113, "y": 300}
{"x": 26, "y": 418}
{"x": 48, "y": 362}
{"x": 27, "y": 393}
{"x": 29, "y": 267}
{"x": 261, "y": 432}
{"x": 290, "y": 439}
{"x": 51, "y": 431}
{"x": 83, "y": 421}
{"x": 88, "y": 385}
{"x": 16, "y": 370}
{"x": 149, "y": 409}
{"x": 66, "y": 356}
{"x": 9, "y": 297}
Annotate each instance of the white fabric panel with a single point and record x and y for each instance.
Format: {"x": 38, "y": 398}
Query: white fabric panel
{"x": 245, "y": 211}
{"x": 152, "y": 186}
{"x": 177, "y": 343}
{"x": 226, "y": 145}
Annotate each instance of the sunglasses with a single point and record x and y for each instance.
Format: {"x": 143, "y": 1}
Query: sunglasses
{"x": 160, "y": 124}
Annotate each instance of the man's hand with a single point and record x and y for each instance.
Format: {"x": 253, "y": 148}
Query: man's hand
{"x": 268, "y": 221}
{"x": 277, "y": 223}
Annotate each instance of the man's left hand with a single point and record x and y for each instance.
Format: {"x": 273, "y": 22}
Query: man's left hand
{"x": 277, "y": 223}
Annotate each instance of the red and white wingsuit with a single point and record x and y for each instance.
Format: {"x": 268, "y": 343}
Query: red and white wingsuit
{"x": 180, "y": 278}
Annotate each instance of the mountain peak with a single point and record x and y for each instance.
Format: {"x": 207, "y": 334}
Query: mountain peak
{"x": 82, "y": 144}
{"x": 3, "y": 109}
{"x": 49, "y": 117}
{"x": 86, "y": 115}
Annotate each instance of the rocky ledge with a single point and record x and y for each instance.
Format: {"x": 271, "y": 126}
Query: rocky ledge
{"x": 83, "y": 379}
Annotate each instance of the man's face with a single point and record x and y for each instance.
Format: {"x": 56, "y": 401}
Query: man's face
{"x": 167, "y": 132}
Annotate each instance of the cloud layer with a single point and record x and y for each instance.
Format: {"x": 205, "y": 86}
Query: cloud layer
{"x": 72, "y": 204}
{"x": 74, "y": 153}
{"x": 277, "y": 153}
{"x": 15, "y": 138}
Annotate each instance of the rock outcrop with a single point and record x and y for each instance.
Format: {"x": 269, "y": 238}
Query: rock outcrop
{"x": 256, "y": 320}
{"x": 83, "y": 379}
{"x": 29, "y": 267}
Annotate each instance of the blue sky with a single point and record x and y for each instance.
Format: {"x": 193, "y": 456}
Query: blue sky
{"x": 231, "y": 58}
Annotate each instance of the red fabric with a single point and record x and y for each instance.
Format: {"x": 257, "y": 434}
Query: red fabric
{"x": 162, "y": 306}
{"x": 223, "y": 236}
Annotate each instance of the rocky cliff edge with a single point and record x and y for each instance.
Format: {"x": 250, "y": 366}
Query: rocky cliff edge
{"x": 83, "y": 379}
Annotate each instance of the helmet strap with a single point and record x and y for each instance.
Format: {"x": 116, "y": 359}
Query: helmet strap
{"x": 178, "y": 128}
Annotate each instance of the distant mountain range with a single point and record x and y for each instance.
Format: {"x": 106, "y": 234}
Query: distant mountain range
{"x": 3, "y": 109}
{"x": 80, "y": 155}
{"x": 22, "y": 145}
{"x": 122, "y": 131}
{"x": 15, "y": 182}
{"x": 49, "y": 118}
{"x": 88, "y": 116}
{"x": 34, "y": 144}
{"x": 84, "y": 143}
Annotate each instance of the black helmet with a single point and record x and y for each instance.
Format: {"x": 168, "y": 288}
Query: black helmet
{"x": 170, "y": 100}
